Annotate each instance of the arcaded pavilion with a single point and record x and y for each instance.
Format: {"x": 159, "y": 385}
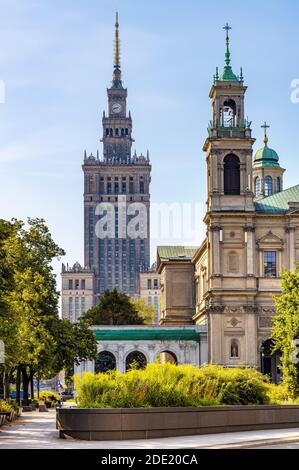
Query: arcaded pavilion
{"x": 252, "y": 224}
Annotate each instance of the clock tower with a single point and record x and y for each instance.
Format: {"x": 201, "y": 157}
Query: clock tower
{"x": 117, "y": 198}
{"x": 117, "y": 126}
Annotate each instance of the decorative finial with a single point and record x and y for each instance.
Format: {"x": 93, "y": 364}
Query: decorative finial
{"x": 217, "y": 74}
{"x": 241, "y": 74}
{"x": 265, "y": 126}
{"x": 227, "y": 28}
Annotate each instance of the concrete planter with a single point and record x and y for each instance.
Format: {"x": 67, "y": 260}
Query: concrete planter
{"x": 146, "y": 423}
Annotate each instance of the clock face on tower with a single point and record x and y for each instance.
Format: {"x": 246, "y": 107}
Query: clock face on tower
{"x": 116, "y": 108}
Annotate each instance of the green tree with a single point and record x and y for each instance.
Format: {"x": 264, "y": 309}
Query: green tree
{"x": 286, "y": 328}
{"x": 114, "y": 308}
{"x": 145, "y": 311}
{"x": 36, "y": 340}
{"x": 8, "y": 318}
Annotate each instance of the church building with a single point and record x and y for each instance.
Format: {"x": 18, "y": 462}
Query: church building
{"x": 252, "y": 224}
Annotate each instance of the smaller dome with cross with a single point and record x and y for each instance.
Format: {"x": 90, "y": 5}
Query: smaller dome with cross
{"x": 266, "y": 157}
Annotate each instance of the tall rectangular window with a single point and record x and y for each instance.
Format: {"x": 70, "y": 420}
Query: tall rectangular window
{"x": 270, "y": 264}
{"x": 109, "y": 188}
{"x": 83, "y": 284}
{"x": 70, "y": 284}
{"x": 149, "y": 283}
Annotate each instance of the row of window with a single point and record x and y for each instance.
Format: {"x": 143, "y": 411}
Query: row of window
{"x": 123, "y": 132}
{"x": 152, "y": 284}
{"x": 123, "y": 188}
{"x": 268, "y": 185}
{"x": 76, "y": 284}
{"x": 78, "y": 310}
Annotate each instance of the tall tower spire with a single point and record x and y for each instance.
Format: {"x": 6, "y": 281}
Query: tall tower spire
{"x": 117, "y": 82}
{"x": 227, "y": 28}
{"x": 116, "y": 56}
{"x": 228, "y": 73}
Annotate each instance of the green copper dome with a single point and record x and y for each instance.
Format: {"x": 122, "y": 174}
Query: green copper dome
{"x": 229, "y": 75}
{"x": 266, "y": 157}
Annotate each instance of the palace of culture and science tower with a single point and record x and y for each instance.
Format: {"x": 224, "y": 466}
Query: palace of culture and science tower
{"x": 116, "y": 194}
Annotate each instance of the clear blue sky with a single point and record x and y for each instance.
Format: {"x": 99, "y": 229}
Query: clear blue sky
{"x": 56, "y": 61}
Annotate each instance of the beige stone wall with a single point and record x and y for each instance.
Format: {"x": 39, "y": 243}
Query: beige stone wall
{"x": 239, "y": 305}
{"x": 177, "y": 292}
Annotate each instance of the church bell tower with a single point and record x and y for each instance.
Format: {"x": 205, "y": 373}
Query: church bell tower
{"x": 229, "y": 143}
{"x": 230, "y": 219}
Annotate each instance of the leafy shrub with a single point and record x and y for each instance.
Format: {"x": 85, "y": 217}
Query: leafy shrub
{"x": 6, "y": 407}
{"x": 279, "y": 394}
{"x": 49, "y": 396}
{"x": 171, "y": 385}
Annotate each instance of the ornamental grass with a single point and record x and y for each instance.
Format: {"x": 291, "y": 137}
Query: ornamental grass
{"x": 165, "y": 385}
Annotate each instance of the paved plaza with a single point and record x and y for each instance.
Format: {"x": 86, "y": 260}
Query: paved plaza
{"x": 37, "y": 431}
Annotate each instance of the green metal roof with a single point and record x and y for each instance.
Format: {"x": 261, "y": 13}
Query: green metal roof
{"x": 278, "y": 203}
{"x": 162, "y": 334}
{"x": 266, "y": 157}
{"x": 168, "y": 253}
{"x": 228, "y": 75}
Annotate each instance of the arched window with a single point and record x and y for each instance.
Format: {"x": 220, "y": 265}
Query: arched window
{"x": 122, "y": 132}
{"x": 136, "y": 360}
{"x": 268, "y": 186}
{"x": 278, "y": 185}
{"x": 167, "y": 356}
{"x": 116, "y": 131}
{"x": 229, "y": 113}
{"x": 231, "y": 174}
{"x": 105, "y": 361}
{"x": 111, "y": 132}
{"x": 257, "y": 186}
{"x": 107, "y": 131}
{"x": 234, "y": 349}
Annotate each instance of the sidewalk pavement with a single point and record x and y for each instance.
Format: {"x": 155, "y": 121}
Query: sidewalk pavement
{"x": 37, "y": 431}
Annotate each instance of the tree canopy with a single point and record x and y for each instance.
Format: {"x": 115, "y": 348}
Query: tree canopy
{"x": 286, "y": 328}
{"x": 114, "y": 308}
{"x": 36, "y": 340}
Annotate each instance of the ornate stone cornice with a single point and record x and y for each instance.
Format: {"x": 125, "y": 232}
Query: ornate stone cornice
{"x": 215, "y": 309}
{"x": 215, "y": 228}
{"x": 249, "y": 228}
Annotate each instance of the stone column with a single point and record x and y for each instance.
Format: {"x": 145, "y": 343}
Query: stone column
{"x": 214, "y": 170}
{"x": 249, "y": 233}
{"x": 250, "y": 337}
{"x": 215, "y": 229}
{"x": 120, "y": 359}
{"x": 292, "y": 249}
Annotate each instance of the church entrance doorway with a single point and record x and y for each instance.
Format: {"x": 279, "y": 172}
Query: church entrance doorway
{"x": 270, "y": 361}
